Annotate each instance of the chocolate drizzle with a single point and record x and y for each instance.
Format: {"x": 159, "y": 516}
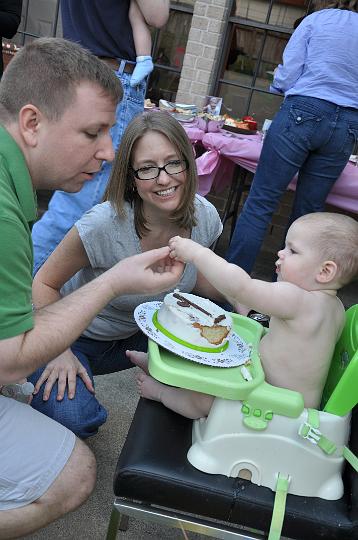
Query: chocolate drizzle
{"x": 184, "y": 302}
{"x": 219, "y": 319}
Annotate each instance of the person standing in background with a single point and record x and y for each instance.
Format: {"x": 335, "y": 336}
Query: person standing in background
{"x": 10, "y": 18}
{"x": 315, "y": 130}
{"x": 104, "y": 28}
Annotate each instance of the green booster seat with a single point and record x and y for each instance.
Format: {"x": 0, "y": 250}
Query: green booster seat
{"x": 264, "y": 433}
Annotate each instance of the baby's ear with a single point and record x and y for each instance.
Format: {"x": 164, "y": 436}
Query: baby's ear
{"x": 327, "y": 273}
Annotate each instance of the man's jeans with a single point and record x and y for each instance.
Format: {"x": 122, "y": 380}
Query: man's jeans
{"x": 309, "y": 135}
{"x": 65, "y": 209}
{"x": 84, "y": 414}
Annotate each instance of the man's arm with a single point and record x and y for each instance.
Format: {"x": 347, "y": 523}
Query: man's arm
{"x": 57, "y": 325}
{"x": 155, "y": 12}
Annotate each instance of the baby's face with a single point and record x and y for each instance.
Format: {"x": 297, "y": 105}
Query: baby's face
{"x": 300, "y": 261}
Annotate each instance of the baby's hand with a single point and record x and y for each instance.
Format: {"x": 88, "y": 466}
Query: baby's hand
{"x": 182, "y": 249}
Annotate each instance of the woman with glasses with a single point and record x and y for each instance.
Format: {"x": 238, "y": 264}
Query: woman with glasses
{"x": 151, "y": 197}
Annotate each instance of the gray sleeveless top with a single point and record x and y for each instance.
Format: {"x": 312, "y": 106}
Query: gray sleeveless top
{"x": 107, "y": 239}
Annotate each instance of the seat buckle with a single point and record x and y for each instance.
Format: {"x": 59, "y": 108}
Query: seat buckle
{"x": 310, "y": 433}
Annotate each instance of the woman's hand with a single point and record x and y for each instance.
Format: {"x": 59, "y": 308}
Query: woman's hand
{"x": 64, "y": 370}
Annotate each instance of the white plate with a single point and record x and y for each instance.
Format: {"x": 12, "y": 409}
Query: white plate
{"x": 237, "y": 353}
{"x": 181, "y": 117}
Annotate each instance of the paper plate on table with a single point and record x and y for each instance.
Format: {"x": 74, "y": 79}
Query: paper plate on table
{"x": 183, "y": 118}
{"x": 236, "y": 354}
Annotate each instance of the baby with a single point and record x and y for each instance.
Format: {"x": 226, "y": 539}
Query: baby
{"x": 307, "y": 318}
{"x": 142, "y": 43}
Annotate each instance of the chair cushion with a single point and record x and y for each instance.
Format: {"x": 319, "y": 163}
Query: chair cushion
{"x": 153, "y": 468}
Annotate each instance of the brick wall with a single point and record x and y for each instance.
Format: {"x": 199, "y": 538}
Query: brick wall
{"x": 202, "y": 51}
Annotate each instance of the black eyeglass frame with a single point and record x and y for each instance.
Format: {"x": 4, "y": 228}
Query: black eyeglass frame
{"x": 159, "y": 169}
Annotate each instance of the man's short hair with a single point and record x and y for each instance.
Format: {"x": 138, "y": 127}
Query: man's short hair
{"x": 46, "y": 74}
{"x": 336, "y": 238}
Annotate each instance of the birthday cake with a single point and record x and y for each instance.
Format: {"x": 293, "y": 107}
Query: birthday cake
{"x": 194, "y": 320}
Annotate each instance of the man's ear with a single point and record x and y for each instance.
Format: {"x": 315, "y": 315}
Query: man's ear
{"x": 29, "y": 124}
{"x": 328, "y": 272}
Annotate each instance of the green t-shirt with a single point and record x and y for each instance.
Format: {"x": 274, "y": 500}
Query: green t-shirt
{"x": 17, "y": 213}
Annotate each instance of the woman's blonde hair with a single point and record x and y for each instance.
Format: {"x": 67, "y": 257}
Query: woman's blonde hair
{"x": 121, "y": 186}
{"x": 351, "y": 5}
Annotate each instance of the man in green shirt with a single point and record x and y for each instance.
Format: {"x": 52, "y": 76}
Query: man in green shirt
{"x": 57, "y": 105}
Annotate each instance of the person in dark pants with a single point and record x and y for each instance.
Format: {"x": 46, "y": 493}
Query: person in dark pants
{"x": 10, "y": 18}
{"x": 315, "y": 130}
{"x": 151, "y": 196}
{"x": 103, "y": 27}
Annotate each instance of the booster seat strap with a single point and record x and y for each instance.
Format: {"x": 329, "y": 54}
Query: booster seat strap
{"x": 309, "y": 430}
{"x": 279, "y": 507}
{"x": 351, "y": 458}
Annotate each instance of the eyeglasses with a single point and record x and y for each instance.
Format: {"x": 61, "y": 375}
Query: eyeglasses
{"x": 150, "y": 173}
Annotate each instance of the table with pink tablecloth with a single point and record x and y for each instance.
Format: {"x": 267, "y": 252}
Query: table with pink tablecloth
{"x": 225, "y": 149}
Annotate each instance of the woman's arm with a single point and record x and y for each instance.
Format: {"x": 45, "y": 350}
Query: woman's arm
{"x": 294, "y": 59}
{"x": 68, "y": 258}
{"x": 155, "y": 12}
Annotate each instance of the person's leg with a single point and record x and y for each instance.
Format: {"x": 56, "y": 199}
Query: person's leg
{"x": 279, "y": 161}
{"x": 65, "y": 209}
{"x": 139, "y": 359}
{"x": 112, "y": 358}
{"x": 185, "y": 402}
{"x": 45, "y": 472}
{"x": 83, "y": 414}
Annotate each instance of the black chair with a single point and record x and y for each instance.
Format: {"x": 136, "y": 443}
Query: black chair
{"x": 154, "y": 481}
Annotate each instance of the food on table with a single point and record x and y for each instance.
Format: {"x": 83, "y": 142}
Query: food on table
{"x": 149, "y": 104}
{"x": 247, "y": 123}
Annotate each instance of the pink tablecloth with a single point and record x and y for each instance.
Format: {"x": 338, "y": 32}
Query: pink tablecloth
{"x": 225, "y": 149}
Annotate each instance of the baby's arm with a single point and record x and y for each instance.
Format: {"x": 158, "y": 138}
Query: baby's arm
{"x": 143, "y": 44}
{"x": 279, "y": 299}
{"x": 141, "y": 34}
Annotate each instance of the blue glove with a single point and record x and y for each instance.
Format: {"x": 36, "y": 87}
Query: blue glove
{"x": 143, "y": 67}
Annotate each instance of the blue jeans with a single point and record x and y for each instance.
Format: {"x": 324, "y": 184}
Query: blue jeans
{"x": 308, "y": 135}
{"x": 84, "y": 414}
{"x": 65, "y": 209}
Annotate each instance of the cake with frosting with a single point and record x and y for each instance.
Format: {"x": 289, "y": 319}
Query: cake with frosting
{"x": 194, "y": 320}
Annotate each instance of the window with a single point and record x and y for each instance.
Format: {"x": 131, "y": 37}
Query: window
{"x": 257, "y": 33}
{"x": 169, "y": 46}
{"x": 41, "y": 18}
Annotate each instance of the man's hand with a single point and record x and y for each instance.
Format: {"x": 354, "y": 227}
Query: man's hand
{"x": 183, "y": 249}
{"x": 63, "y": 369}
{"x": 150, "y": 272}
